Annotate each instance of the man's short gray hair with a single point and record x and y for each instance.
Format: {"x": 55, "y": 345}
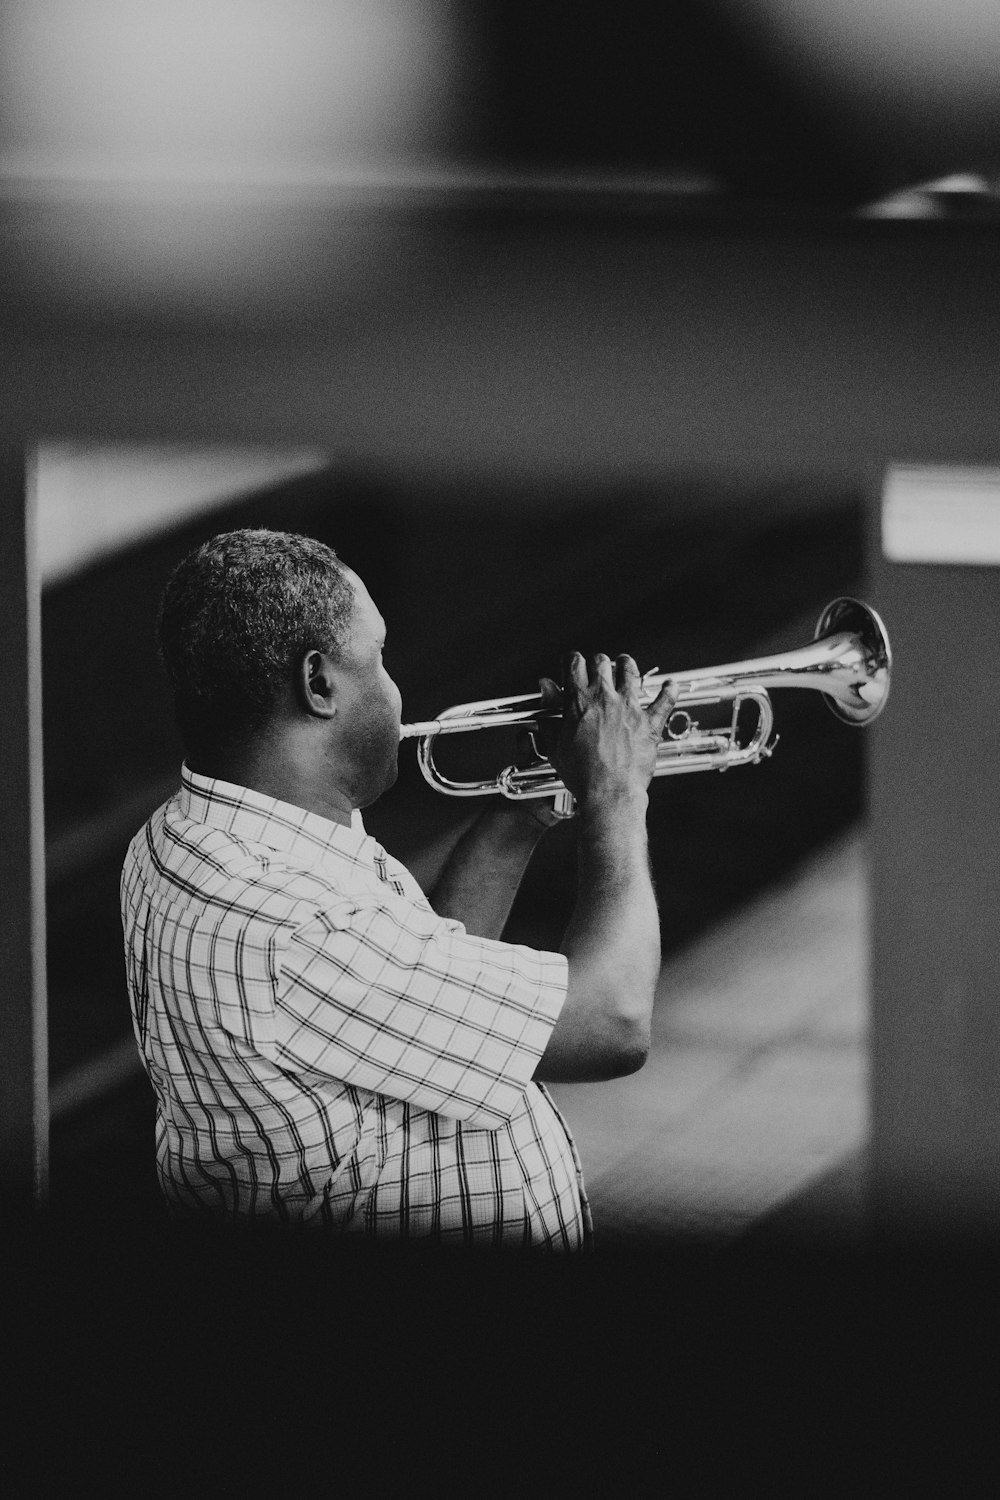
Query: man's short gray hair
{"x": 236, "y": 615}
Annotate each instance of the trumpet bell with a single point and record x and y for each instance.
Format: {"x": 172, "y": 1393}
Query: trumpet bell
{"x": 862, "y": 698}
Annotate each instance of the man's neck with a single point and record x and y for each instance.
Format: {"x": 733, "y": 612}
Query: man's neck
{"x": 273, "y": 772}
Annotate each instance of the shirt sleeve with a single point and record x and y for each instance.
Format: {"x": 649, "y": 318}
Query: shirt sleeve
{"x": 381, "y": 993}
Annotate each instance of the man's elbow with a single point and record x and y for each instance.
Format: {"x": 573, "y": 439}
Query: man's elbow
{"x": 623, "y": 1047}
{"x": 630, "y": 1048}
{"x": 622, "y": 1032}
{"x": 612, "y": 1051}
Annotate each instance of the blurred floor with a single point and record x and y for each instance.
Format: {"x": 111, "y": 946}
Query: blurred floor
{"x": 751, "y": 1111}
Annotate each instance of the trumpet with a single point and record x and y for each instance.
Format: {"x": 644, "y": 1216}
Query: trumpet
{"x": 849, "y": 662}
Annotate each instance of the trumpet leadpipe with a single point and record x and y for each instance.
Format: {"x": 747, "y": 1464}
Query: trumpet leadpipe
{"x": 463, "y": 724}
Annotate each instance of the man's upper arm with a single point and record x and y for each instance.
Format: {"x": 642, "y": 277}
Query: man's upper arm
{"x": 383, "y": 994}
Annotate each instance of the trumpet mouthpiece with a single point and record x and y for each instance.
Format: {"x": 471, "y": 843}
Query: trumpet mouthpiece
{"x": 417, "y": 731}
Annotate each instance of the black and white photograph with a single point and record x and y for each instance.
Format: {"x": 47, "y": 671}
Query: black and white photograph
{"x": 499, "y": 852}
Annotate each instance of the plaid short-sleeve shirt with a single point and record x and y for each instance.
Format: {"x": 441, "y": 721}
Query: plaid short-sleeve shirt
{"x": 324, "y": 1049}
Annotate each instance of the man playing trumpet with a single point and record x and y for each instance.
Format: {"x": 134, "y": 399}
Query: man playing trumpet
{"x": 327, "y": 1045}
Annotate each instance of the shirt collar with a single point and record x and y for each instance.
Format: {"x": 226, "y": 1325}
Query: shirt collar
{"x": 250, "y": 816}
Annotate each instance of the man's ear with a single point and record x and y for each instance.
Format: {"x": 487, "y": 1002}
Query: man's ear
{"x": 315, "y": 678}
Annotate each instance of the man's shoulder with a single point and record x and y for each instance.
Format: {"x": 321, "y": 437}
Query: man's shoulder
{"x": 177, "y": 857}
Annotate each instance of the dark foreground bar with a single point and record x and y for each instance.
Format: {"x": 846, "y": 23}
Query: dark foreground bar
{"x": 222, "y": 1365}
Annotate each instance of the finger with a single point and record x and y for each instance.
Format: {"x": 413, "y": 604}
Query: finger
{"x": 575, "y": 689}
{"x": 551, "y": 695}
{"x": 575, "y": 679}
{"x": 626, "y": 676}
{"x": 574, "y": 670}
{"x": 600, "y": 670}
{"x": 662, "y": 707}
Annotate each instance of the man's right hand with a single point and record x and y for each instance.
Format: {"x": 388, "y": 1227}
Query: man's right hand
{"x": 604, "y": 749}
{"x": 605, "y": 742}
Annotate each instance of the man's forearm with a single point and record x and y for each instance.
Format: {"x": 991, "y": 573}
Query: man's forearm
{"x": 481, "y": 876}
{"x": 612, "y": 944}
{"x": 613, "y": 935}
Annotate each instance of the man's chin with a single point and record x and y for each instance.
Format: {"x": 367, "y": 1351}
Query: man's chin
{"x": 389, "y": 780}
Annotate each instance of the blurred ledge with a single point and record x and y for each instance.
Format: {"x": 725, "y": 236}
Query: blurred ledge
{"x": 443, "y": 189}
{"x": 57, "y": 179}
